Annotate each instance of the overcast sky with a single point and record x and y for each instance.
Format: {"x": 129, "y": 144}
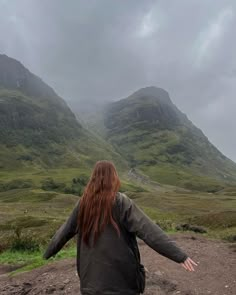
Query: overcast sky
{"x": 105, "y": 50}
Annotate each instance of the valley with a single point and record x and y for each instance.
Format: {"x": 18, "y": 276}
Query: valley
{"x": 165, "y": 163}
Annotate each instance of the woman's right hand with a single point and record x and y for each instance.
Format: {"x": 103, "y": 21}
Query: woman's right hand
{"x": 188, "y": 264}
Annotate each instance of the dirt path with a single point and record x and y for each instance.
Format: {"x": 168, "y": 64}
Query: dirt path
{"x": 216, "y": 273}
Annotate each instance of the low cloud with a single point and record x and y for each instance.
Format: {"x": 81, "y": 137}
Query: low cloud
{"x": 104, "y": 50}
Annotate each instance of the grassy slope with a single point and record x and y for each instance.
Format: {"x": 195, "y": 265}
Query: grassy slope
{"x": 27, "y": 261}
{"x": 39, "y": 213}
{"x": 46, "y": 211}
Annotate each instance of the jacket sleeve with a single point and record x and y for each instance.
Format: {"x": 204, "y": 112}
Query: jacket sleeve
{"x": 136, "y": 221}
{"x": 63, "y": 234}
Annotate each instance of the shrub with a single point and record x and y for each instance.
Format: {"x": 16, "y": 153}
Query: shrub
{"x": 165, "y": 224}
{"x": 15, "y": 184}
{"x": 190, "y": 227}
{"x": 77, "y": 186}
{"x": 82, "y": 180}
{"x": 231, "y": 238}
{"x": 21, "y": 242}
{"x": 25, "y": 243}
{"x": 49, "y": 184}
{"x": 3, "y": 247}
{"x": 75, "y": 189}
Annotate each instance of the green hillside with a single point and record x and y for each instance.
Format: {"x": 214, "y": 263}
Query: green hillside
{"x": 149, "y": 131}
{"x": 37, "y": 128}
{"x": 46, "y": 157}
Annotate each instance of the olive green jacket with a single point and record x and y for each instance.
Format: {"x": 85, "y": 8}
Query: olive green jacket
{"x": 110, "y": 268}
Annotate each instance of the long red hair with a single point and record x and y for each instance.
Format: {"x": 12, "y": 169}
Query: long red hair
{"x": 95, "y": 209}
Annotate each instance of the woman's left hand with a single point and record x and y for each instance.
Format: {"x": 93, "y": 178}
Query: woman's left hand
{"x": 188, "y": 264}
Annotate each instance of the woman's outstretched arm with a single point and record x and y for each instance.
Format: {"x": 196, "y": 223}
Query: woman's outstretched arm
{"x": 64, "y": 234}
{"x": 135, "y": 220}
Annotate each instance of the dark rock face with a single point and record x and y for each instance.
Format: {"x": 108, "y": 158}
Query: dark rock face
{"x": 146, "y": 115}
{"x": 30, "y": 111}
{"x": 33, "y": 116}
{"x": 153, "y": 92}
{"x": 149, "y": 107}
{"x": 14, "y": 76}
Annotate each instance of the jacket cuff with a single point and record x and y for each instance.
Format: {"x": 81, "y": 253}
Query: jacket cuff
{"x": 182, "y": 258}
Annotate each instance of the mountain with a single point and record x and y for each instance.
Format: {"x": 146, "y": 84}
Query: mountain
{"x": 146, "y": 130}
{"x": 37, "y": 128}
{"x": 154, "y": 136}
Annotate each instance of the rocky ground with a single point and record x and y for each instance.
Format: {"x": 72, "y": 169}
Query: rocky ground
{"x": 215, "y": 274}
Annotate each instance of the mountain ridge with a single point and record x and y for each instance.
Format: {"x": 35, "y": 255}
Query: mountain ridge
{"x": 15, "y": 76}
{"x": 145, "y": 131}
{"x": 150, "y": 132}
{"x": 37, "y": 127}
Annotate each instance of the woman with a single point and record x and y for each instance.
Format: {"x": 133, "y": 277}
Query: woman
{"x": 106, "y": 223}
